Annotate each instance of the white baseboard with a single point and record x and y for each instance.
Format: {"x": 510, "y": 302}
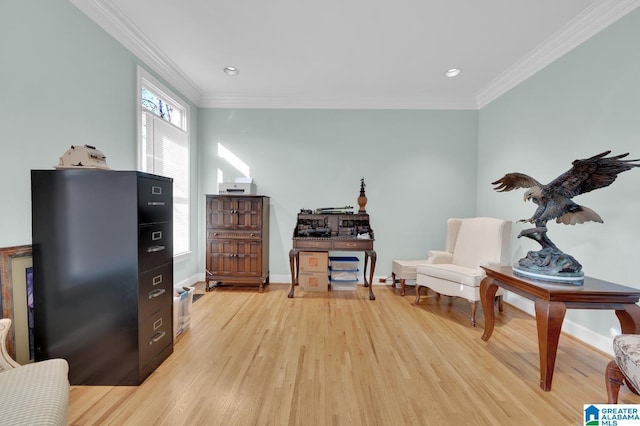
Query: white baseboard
{"x": 602, "y": 343}
{"x": 286, "y": 279}
{"x": 189, "y": 282}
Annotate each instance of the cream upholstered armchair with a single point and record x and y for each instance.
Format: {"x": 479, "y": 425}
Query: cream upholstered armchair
{"x": 456, "y": 271}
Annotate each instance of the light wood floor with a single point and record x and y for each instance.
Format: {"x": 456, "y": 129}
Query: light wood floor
{"x": 339, "y": 359}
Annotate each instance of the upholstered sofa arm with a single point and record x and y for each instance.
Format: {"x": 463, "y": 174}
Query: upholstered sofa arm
{"x": 438, "y": 256}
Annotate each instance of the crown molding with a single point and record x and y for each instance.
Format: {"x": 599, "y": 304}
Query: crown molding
{"x": 591, "y": 21}
{"x": 594, "y": 19}
{"x": 116, "y": 24}
{"x": 282, "y": 102}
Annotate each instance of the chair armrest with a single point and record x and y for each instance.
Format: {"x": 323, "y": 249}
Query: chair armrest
{"x": 438, "y": 256}
{"x": 6, "y": 362}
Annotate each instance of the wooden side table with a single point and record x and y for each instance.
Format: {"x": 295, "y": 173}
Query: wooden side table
{"x": 551, "y": 302}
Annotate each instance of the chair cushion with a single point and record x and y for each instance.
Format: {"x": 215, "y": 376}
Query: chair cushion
{"x": 626, "y": 348}
{"x": 35, "y": 394}
{"x": 454, "y": 273}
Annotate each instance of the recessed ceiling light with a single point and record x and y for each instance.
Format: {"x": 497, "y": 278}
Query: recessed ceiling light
{"x": 452, "y": 72}
{"x": 231, "y": 70}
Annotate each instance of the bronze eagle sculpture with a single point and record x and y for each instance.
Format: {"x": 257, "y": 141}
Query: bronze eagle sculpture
{"x": 554, "y": 201}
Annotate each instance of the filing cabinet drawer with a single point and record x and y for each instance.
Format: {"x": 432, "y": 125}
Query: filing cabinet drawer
{"x": 155, "y": 200}
{"x": 155, "y": 334}
{"x": 156, "y": 290}
{"x": 155, "y": 245}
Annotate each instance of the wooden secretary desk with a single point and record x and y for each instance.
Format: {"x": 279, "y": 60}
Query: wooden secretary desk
{"x": 333, "y": 232}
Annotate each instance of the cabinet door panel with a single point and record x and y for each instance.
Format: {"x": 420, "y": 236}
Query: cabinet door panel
{"x": 248, "y": 258}
{"x": 249, "y": 213}
{"x": 221, "y": 212}
{"x": 220, "y": 258}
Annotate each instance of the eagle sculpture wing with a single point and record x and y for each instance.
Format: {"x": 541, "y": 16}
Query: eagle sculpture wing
{"x": 591, "y": 173}
{"x": 512, "y": 181}
{"x": 554, "y": 199}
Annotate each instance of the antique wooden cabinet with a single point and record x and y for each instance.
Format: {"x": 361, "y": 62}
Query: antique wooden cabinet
{"x": 103, "y": 272}
{"x": 237, "y": 240}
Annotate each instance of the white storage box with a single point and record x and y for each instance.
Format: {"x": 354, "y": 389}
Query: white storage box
{"x": 341, "y": 275}
{"x": 343, "y": 285}
{"x": 182, "y": 309}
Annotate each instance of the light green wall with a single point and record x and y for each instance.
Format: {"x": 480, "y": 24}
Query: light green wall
{"x": 63, "y": 82}
{"x": 419, "y": 169}
{"x": 586, "y": 102}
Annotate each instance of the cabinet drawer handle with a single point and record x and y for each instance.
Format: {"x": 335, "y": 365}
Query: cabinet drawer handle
{"x": 157, "y": 324}
{"x": 157, "y": 292}
{"x": 157, "y": 337}
{"x": 157, "y": 279}
{"x": 155, "y": 249}
{"x": 156, "y": 190}
{"x": 351, "y": 244}
{"x": 156, "y": 203}
{"x": 156, "y": 235}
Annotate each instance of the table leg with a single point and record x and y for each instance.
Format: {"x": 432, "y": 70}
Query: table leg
{"x": 488, "y": 289}
{"x": 549, "y": 317}
{"x": 366, "y": 261}
{"x": 629, "y": 318}
{"x": 293, "y": 266}
{"x": 373, "y": 255}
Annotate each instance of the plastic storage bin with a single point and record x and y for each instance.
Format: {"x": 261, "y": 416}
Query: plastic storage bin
{"x": 346, "y": 275}
{"x": 343, "y": 263}
{"x": 182, "y": 309}
{"x": 338, "y": 285}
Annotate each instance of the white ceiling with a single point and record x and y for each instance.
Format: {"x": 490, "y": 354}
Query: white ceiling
{"x": 350, "y": 53}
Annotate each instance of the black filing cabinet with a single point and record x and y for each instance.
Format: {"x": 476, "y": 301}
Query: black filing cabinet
{"x": 103, "y": 272}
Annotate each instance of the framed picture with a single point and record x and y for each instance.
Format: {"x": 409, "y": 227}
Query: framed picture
{"x": 15, "y": 273}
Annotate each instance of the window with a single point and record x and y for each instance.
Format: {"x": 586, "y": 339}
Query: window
{"x": 163, "y": 148}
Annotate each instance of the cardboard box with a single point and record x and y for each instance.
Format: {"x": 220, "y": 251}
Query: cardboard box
{"x": 314, "y": 261}
{"x": 313, "y": 281}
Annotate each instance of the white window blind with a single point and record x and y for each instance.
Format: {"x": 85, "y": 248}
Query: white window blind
{"x": 164, "y": 150}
